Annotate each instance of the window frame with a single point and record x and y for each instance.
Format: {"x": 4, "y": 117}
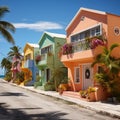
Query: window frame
{"x": 75, "y": 73}
{"x": 82, "y": 33}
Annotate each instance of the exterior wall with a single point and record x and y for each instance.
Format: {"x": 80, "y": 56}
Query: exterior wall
{"x": 113, "y": 21}
{"x": 90, "y": 20}
{"x": 58, "y": 43}
{"x": 79, "y": 59}
{"x": 28, "y": 51}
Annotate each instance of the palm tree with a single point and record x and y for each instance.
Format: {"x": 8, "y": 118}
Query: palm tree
{"x": 110, "y": 69}
{"x": 106, "y": 59}
{"x": 6, "y": 27}
{"x": 6, "y": 64}
{"x": 15, "y": 52}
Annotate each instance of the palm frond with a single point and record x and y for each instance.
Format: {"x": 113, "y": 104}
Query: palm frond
{"x": 8, "y": 26}
{"x": 7, "y": 35}
{"x": 3, "y": 10}
{"x": 114, "y": 46}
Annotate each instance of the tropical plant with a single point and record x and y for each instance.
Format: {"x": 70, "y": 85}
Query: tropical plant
{"x": 110, "y": 69}
{"x": 59, "y": 75}
{"x": 6, "y": 27}
{"x": 96, "y": 41}
{"x": 6, "y": 64}
{"x": 67, "y": 49}
{"x": 8, "y": 76}
{"x": 37, "y": 58}
{"x": 15, "y": 52}
{"x": 49, "y": 86}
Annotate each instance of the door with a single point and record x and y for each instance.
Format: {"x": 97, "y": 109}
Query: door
{"x": 87, "y": 76}
{"x": 47, "y": 75}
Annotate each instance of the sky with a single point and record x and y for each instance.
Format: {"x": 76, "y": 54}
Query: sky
{"x": 32, "y": 17}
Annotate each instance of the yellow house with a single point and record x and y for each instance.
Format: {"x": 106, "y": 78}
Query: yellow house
{"x": 30, "y": 51}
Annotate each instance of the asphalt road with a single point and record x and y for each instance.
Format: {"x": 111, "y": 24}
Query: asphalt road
{"x": 20, "y": 104}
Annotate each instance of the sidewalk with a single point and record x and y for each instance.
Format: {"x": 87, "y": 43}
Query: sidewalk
{"x": 112, "y": 110}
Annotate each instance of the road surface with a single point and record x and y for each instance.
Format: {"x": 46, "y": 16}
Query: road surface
{"x": 20, "y": 104}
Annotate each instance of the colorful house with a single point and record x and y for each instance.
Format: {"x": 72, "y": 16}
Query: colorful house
{"x": 49, "y": 44}
{"x": 16, "y": 62}
{"x": 87, "y": 23}
{"x": 30, "y": 51}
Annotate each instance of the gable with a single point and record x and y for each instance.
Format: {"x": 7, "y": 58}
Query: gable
{"x": 85, "y": 19}
{"x": 46, "y": 40}
{"x": 27, "y": 46}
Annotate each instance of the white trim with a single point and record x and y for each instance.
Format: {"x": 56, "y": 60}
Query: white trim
{"x": 85, "y": 9}
{"x": 75, "y": 75}
{"x": 91, "y": 72}
{"x": 87, "y": 29}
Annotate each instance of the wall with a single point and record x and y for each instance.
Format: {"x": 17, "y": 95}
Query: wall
{"x": 113, "y": 21}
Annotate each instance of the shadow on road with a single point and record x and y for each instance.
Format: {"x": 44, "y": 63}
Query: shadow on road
{"x": 19, "y": 114}
{"x": 11, "y": 94}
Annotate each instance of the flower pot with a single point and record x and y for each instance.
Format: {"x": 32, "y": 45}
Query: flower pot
{"x": 101, "y": 93}
{"x": 91, "y": 97}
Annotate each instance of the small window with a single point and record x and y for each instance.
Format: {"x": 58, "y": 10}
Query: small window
{"x": 116, "y": 31}
{"x": 77, "y": 74}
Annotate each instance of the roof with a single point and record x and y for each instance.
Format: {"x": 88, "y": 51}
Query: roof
{"x": 56, "y": 35}
{"x": 85, "y": 9}
{"x": 33, "y": 45}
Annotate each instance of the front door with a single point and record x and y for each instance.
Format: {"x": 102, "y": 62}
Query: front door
{"x": 47, "y": 75}
{"x": 87, "y": 76}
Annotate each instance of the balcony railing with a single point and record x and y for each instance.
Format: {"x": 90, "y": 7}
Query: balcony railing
{"x": 46, "y": 59}
{"x": 80, "y": 46}
{"x": 87, "y": 44}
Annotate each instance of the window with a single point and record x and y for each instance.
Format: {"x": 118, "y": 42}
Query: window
{"x": 91, "y": 32}
{"x": 77, "y": 74}
{"x": 46, "y": 49}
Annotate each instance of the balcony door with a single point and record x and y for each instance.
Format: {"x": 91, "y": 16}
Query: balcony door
{"x": 87, "y": 76}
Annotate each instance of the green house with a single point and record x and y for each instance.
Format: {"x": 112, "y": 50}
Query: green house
{"x": 49, "y": 62}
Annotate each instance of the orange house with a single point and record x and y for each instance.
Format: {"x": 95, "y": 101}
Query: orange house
{"x": 85, "y": 24}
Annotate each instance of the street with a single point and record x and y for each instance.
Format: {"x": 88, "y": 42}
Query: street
{"x": 20, "y": 104}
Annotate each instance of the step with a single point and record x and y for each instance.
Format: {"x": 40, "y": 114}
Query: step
{"x": 71, "y": 94}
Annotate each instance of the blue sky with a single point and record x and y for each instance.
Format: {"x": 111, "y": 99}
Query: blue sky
{"x": 32, "y": 17}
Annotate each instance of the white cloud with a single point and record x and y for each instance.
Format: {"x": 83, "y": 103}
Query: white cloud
{"x": 39, "y": 26}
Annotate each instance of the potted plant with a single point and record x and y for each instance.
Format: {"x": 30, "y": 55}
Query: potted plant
{"x": 91, "y": 94}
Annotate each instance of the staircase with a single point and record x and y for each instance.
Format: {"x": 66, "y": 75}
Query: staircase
{"x": 71, "y": 94}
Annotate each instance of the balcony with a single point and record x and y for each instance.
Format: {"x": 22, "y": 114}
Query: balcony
{"x": 80, "y": 46}
{"x": 29, "y": 63}
{"x": 82, "y": 50}
{"x": 46, "y": 59}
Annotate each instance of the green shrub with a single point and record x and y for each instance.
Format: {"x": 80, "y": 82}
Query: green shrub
{"x": 49, "y": 86}
{"x": 8, "y": 76}
{"x": 37, "y": 83}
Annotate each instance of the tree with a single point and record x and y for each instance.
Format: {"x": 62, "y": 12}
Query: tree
{"x": 6, "y": 27}
{"x": 6, "y": 64}
{"x": 15, "y": 52}
{"x": 15, "y": 56}
{"x": 108, "y": 75}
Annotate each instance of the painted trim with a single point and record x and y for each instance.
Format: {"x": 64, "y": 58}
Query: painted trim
{"x": 85, "y": 9}
{"x": 88, "y": 29}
